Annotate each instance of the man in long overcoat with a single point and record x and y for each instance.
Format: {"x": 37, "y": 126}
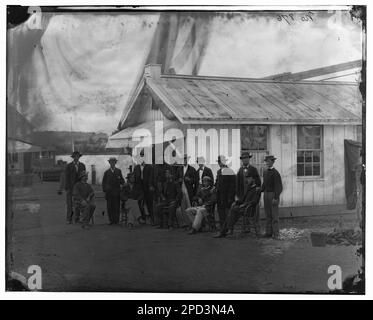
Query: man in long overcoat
{"x": 225, "y": 189}
{"x": 111, "y": 185}
{"x": 271, "y": 188}
{"x": 144, "y": 180}
{"x": 72, "y": 173}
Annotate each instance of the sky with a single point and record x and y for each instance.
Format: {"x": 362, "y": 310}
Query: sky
{"x": 80, "y": 68}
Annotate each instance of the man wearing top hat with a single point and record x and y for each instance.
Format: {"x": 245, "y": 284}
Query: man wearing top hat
{"x": 225, "y": 189}
{"x": 272, "y": 188}
{"x": 111, "y": 185}
{"x": 83, "y": 196}
{"x": 72, "y": 173}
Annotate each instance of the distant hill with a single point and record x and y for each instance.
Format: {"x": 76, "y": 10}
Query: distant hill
{"x": 85, "y": 142}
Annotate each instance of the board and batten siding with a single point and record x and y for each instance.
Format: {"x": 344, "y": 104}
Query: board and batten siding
{"x": 309, "y": 191}
{"x": 144, "y": 110}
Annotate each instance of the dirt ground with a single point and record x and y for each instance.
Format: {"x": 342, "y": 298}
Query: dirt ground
{"x": 114, "y": 258}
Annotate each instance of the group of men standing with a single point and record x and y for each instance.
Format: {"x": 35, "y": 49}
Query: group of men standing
{"x": 161, "y": 189}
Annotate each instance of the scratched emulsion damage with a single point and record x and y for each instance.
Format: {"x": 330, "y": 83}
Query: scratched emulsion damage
{"x": 358, "y": 14}
{"x": 85, "y": 65}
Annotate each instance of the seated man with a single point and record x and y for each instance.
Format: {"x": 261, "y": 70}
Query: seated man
{"x": 83, "y": 196}
{"x": 129, "y": 206}
{"x": 170, "y": 198}
{"x": 248, "y": 204}
{"x": 203, "y": 204}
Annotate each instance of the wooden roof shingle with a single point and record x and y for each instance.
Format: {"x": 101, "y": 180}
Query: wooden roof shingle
{"x": 196, "y": 99}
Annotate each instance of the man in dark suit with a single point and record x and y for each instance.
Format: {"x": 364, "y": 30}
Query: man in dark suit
{"x": 144, "y": 180}
{"x": 170, "y": 198}
{"x": 72, "y": 173}
{"x": 225, "y": 189}
{"x": 248, "y": 204}
{"x": 83, "y": 196}
{"x": 203, "y": 171}
{"x": 111, "y": 185}
{"x": 272, "y": 188}
{"x": 189, "y": 186}
{"x": 246, "y": 170}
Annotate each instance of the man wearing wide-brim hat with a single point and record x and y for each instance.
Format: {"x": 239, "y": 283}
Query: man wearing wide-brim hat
{"x": 246, "y": 170}
{"x": 83, "y": 196}
{"x": 72, "y": 172}
{"x": 271, "y": 188}
{"x": 111, "y": 185}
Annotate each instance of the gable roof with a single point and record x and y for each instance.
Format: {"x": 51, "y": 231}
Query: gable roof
{"x": 197, "y": 99}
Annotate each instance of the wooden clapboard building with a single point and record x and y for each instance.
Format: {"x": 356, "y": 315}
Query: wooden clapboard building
{"x": 303, "y": 123}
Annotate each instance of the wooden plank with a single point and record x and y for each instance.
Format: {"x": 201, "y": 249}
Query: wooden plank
{"x": 347, "y": 97}
{"x": 314, "y": 103}
{"x": 352, "y": 102}
{"x": 279, "y": 96}
{"x": 234, "y": 110}
{"x": 274, "y": 146}
{"x": 273, "y": 93}
{"x": 189, "y": 98}
{"x": 172, "y": 101}
{"x": 225, "y": 94}
{"x": 327, "y": 105}
{"x": 328, "y": 157}
{"x": 285, "y": 97}
{"x": 246, "y": 105}
{"x": 294, "y": 161}
{"x": 350, "y": 132}
{"x": 308, "y": 197}
{"x": 277, "y": 106}
{"x": 287, "y": 166}
{"x": 267, "y": 109}
{"x": 318, "y": 192}
{"x": 182, "y": 105}
{"x": 133, "y": 98}
{"x": 317, "y": 72}
{"x": 310, "y": 211}
{"x": 192, "y": 92}
{"x": 214, "y": 105}
{"x": 300, "y": 192}
{"x": 175, "y": 92}
{"x": 338, "y": 165}
{"x": 255, "y": 109}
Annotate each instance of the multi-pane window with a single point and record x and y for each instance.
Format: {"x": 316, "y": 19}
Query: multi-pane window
{"x": 254, "y": 140}
{"x": 309, "y": 153}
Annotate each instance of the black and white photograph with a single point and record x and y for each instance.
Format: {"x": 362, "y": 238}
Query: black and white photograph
{"x": 186, "y": 149}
